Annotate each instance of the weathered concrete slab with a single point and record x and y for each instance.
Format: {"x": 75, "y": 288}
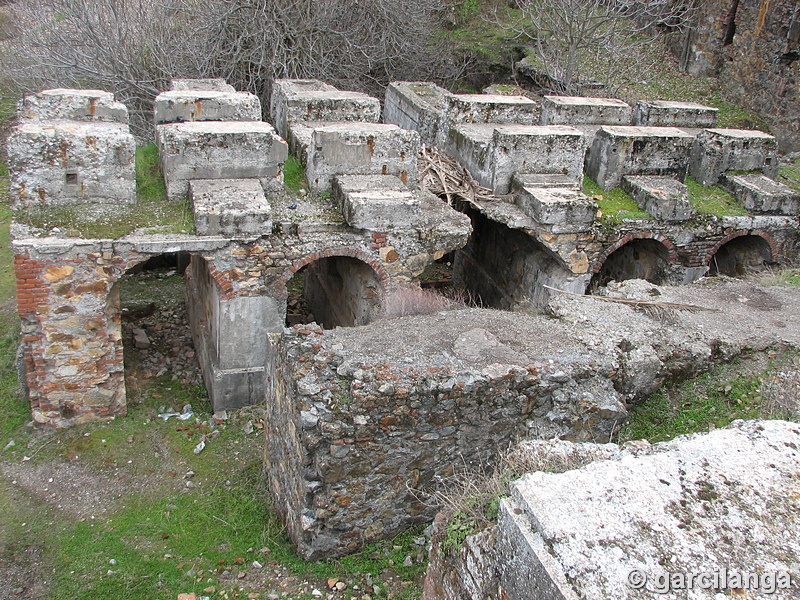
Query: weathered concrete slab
{"x": 219, "y": 150}
{"x": 177, "y": 106}
{"x": 310, "y": 100}
{"x": 234, "y": 208}
{"x": 362, "y": 149}
{"x": 577, "y": 110}
{"x": 416, "y": 105}
{"x": 618, "y": 151}
{"x": 720, "y": 503}
{"x": 663, "y": 113}
{"x": 208, "y": 85}
{"x": 542, "y": 150}
{"x": 489, "y": 108}
{"x": 664, "y": 198}
{"x": 760, "y": 194}
{"x": 551, "y": 180}
{"x": 72, "y": 105}
{"x": 468, "y": 143}
{"x": 71, "y": 162}
{"x": 562, "y": 210}
{"x": 381, "y": 210}
{"x": 718, "y": 150}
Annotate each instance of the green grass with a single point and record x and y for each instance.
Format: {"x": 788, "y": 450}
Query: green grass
{"x": 615, "y": 205}
{"x": 149, "y": 179}
{"x": 712, "y": 200}
{"x": 790, "y": 175}
{"x": 714, "y": 399}
{"x": 151, "y": 213}
{"x": 294, "y": 174}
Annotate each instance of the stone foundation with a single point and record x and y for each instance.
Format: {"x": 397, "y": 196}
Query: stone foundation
{"x": 618, "y": 151}
{"x": 718, "y": 150}
{"x": 574, "y": 110}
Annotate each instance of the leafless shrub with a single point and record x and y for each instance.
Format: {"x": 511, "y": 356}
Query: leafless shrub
{"x": 134, "y": 47}
{"x": 408, "y": 300}
{"x": 470, "y": 500}
{"x": 781, "y": 392}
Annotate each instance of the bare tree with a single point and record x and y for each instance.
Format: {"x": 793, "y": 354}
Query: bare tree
{"x": 572, "y": 39}
{"x": 133, "y": 47}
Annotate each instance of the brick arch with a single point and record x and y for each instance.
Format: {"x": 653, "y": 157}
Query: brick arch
{"x": 347, "y": 251}
{"x": 672, "y": 251}
{"x": 773, "y": 246}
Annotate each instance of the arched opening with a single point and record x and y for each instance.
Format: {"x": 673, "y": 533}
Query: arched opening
{"x": 337, "y": 291}
{"x": 157, "y": 342}
{"x": 638, "y": 259}
{"x": 740, "y": 256}
{"x": 505, "y": 268}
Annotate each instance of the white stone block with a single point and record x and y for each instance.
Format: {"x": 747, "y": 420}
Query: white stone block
{"x": 234, "y": 208}
{"x": 205, "y": 105}
{"x": 220, "y": 150}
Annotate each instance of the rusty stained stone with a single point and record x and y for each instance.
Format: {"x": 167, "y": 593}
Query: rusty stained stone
{"x": 388, "y": 254}
{"x": 578, "y": 262}
{"x": 56, "y": 273}
{"x": 96, "y": 287}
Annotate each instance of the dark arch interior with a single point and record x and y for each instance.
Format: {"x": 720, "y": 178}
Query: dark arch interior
{"x": 150, "y": 303}
{"x": 338, "y": 291}
{"x": 638, "y": 259}
{"x": 504, "y": 268}
{"x": 742, "y": 255}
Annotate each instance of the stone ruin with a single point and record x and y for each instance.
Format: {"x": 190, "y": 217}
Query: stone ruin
{"x": 685, "y": 518}
{"x": 357, "y": 438}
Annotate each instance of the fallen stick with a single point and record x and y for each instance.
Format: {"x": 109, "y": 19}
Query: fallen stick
{"x": 638, "y": 302}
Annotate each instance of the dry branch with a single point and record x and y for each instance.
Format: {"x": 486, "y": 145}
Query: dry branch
{"x": 640, "y": 303}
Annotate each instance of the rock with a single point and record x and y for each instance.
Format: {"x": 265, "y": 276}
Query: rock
{"x": 140, "y": 339}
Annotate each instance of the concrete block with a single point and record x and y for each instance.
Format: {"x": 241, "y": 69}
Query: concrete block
{"x": 662, "y": 113}
{"x": 72, "y": 105}
{"x": 282, "y": 89}
{"x": 552, "y": 180}
{"x": 688, "y": 506}
{"x": 618, "y": 151}
{"x": 71, "y": 162}
{"x": 416, "y": 105}
{"x": 563, "y": 210}
{"x": 489, "y": 108}
{"x": 235, "y": 208}
{"x": 381, "y": 210}
{"x": 577, "y": 110}
{"x": 760, "y": 194}
{"x": 362, "y": 149}
{"x": 205, "y": 105}
{"x": 468, "y": 144}
{"x": 208, "y": 85}
{"x": 664, "y": 198}
{"x": 308, "y": 100}
{"x": 718, "y": 150}
{"x": 220, "y": 150}
{"x": 345, "y": 184}
{"x": 542, "y": 150}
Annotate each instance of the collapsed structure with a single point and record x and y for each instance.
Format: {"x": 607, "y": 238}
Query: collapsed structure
{"x": 355, "y": 443}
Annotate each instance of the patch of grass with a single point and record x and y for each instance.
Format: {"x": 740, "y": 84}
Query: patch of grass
{"x": 784, "y": 277}
{"x": 712, "y": 200}
{"x": 149, "y": 179}
{"x": 728, "y": 392}
{"x": 152, "y": 211}
{"x": 790, "y": 175}
{"x": 615, "y": 205}
{"x": 294, "y": 174}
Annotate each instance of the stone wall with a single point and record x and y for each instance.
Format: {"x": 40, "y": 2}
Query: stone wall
{"x": 687, "y": 506}
{"x": 760, "y": 68}
{"x": 358, "y": 443}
